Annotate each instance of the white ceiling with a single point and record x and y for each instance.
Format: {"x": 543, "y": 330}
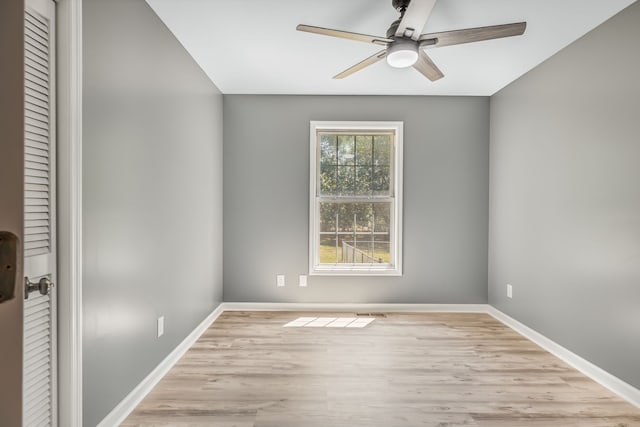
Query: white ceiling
{"x": 252, "y": 46}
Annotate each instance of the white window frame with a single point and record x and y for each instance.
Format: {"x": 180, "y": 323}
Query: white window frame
{"x": 394, "y": 268}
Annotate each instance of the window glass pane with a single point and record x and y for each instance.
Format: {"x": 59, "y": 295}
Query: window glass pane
{"x": 382, "y": 247}
{"x": 346, "y": 149}
{"x": 355, "y": 173}
{"x": 345, "y": 217}
{"x": 346, "y": 248}
{"x": 328, "y": 213}
{"x": 363, "y": 249}
{"x": 328, "y": 180}
{"x": 382, "y": 236}
{"x": 346, "y": 180}
{"x": 363, "y": 150}
{"x": 382, "y": 217}
{"x": 328, "y": 150}
{"x": 329, "y": 252}
{"x": 381, "y": 183}
{"x": 363, "y": 180}
{"x": 361, "y": 231}
{"x": 363, "y": 217}
{"x": 382, "y": 150}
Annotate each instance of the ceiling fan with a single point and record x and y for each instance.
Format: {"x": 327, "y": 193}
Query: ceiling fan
{"x": 404, "y": 45}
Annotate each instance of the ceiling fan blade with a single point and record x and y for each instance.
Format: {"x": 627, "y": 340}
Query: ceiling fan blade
{"x": 426, "y": 66}
{"x": 344, "y": 34}
{"x": 414, "y": 18}
{"x": 469, "y": 35}
{"x": 362, "y": 64}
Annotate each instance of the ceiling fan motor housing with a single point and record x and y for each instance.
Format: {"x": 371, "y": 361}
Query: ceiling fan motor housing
{"x": 403, "y": 52}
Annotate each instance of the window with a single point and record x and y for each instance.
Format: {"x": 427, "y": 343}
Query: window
{"x": 355, "y": 198}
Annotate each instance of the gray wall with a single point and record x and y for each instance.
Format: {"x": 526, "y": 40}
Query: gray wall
{"x": 565, "y": 197}
{"x": 266, "y": 198}
{"x": 152, "y": 197}
{"x": 11, "y": 200}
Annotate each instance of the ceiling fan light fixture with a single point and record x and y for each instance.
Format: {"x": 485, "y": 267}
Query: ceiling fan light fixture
{"x": 402, "y": 53}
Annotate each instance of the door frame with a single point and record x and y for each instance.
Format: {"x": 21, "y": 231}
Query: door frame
{"x": 69, "y": 102}
{"x": 12, "y": 204}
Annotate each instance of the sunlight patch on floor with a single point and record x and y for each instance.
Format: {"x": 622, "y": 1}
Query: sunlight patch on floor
{"x": 329, "y": 322}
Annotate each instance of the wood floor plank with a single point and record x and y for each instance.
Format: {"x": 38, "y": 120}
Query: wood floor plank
{"x": 426, "y": 369}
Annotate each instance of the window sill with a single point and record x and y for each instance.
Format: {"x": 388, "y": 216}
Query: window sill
{"x": 354, "y": 271}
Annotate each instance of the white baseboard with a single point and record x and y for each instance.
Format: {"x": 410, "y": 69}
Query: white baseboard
{"x": 599, "y": 375}
{"x": 129, "y": 403}
{"x": 348, "y": 307}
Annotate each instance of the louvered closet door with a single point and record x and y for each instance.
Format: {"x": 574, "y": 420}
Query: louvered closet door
{"x": 39, "y": 382}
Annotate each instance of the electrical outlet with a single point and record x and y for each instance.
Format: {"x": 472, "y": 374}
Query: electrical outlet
{"x": 509, "y": 291}
{"x": 280, "y": 280}
{"x": 160, "y": 326}
{"x": 303, "y": 280}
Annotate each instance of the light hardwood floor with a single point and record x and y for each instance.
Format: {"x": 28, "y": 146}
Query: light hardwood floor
{"x": 428, "y": 369}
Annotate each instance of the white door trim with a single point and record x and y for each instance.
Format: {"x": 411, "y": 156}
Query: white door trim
{"x": 69, "y": 16}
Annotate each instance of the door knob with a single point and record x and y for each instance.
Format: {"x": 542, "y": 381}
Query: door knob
{"x": 43, "y": 285}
